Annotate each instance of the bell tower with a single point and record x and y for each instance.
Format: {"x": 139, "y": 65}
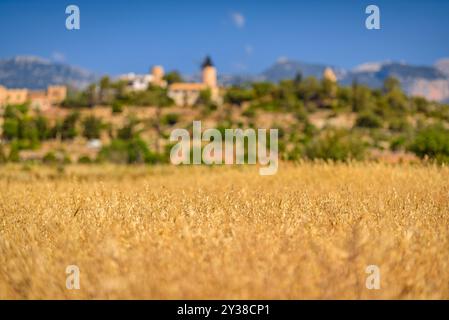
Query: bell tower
{"x": 209, "y": 73}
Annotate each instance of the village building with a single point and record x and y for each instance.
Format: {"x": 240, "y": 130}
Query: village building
{"x": 329, "y": 74}
{"x": 141, "y": 82}
{"x": 184, "y": 93}
{"x": 13, "y": 96}
{"x": 42, "y": 100}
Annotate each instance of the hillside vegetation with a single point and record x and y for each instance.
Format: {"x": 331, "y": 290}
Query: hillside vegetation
{"x": 316, "y": 120}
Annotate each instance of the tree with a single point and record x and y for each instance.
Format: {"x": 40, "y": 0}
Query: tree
{"x": 170, "y": 119}
{"x": 205, "y": 97}
{"x": 11, "y": 129}
{"x": 172, "y": 77}
{"x": 128, "y": 131}
{"x": 432, "y": 141}
{"x": 120, "y": 90}
{"x": 262, "y": 89}
{"x": 362, "y": 98}
{"x": 42, "y": 127}
{"x": 309, "y": 89}
{"x": 79, "y": 99}
{"x": 336, "y": 145}
{"x": 28, "y": 132}
{"x": 14, "y": 152}
{"x": 391, "y": 84}
{"x": 105, "y": 83}
{"x": 92, "y": 94}
{"x": 368, "y": 119}
{"x": 2, "y": 154}
{"x": 397, "y": 100}
{"x": 105, "y": 88}
{"x": 237, "y": 95}
{"x": 66, "y": 129}
{"x": 117, "y": 107}
{"x": 298, "y": 77}
{"x": 92, "y": 127}
{"x": 127, "y": 152}
{"x": 329, "y": 88}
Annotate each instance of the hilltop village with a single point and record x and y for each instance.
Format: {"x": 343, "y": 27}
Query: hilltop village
{"x": 129, "y": 119}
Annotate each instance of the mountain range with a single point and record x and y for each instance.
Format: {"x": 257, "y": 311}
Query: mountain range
{"x": 431, "y": 82}
{"x": 37, "y": 73}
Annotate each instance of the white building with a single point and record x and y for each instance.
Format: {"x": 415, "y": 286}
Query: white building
{"x": 140, "y": 82}
{"x": 137, "y": 82}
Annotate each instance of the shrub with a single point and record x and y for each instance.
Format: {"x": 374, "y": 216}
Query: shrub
{"x": 2, "y": 154}
{"x": 127, "y": 152}
{"x": 16, "y": 110}
{"x": 67, "y": 128}
{"x": 398, "y": 143}
{"x": 432, "y": 141}
{"x": 172, "y": 77}
{"x": 205, "y": 97}
{"x": 208, "y": 109}
{"x": 295, "y": 153}
{"x": 263, "y": 88}
{"x": 29, "y": 132}
{"x": 50, "y": 158}
{"x": 115, "y": 152}
{"x": 92, "y": 127}
{"x": 236, "y": 95}
{"x": 42, "y": 127}
{"x": 128, "y": 131}
{"x": 77, "y": 99}
{"x": 117, "y": 107}
{"x": 170, "y": 119}
{"x": 59, "y": 157}
{"x": 11, "y": 129}
{"x": 337, "y": 145}
{"x": 368, "y": 120}
{"x": 84, "y": 160}
{"x": 249, "y": 113}
{"x": 399, "y": 124}
{"x": 270, "y": 106}
{"x": 14, "y": 152}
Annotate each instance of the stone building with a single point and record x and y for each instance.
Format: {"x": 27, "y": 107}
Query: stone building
{"x": 184, "y": 93}
{"x": 329, "y": 74}
{"x": 13, "y": 96}
{"x": 158, "y": 76}
{"x": 54, "y": 95}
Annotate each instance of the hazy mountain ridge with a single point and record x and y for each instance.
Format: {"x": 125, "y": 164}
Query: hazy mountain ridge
{"x": 431, "y": 82}
{"x": 443, "y": 66}
{"x": 37, "y": 73}
{"x": 288, "y": 69}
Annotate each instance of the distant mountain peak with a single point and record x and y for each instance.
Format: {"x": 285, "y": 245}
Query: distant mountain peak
{"x": 33, "y": 72}
{"x": 443, "y": 66}
{"x": 369, "y": 67}
{"x": 285, "y": 68}
{"x": 29, "y": 59}
{"x": 282, "y": 60}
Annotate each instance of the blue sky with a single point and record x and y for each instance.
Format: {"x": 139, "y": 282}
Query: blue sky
{"x": 242, "y": 36}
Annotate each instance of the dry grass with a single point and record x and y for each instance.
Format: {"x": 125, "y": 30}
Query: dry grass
{"x": 196, "y": 232}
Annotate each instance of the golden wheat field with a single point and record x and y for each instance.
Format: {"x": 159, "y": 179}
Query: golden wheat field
{"x": 225, "y": 232}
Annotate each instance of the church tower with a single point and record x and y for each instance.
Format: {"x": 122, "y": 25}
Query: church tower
{"x": 209, "y": 73}
{"x": 158, "y": 75}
